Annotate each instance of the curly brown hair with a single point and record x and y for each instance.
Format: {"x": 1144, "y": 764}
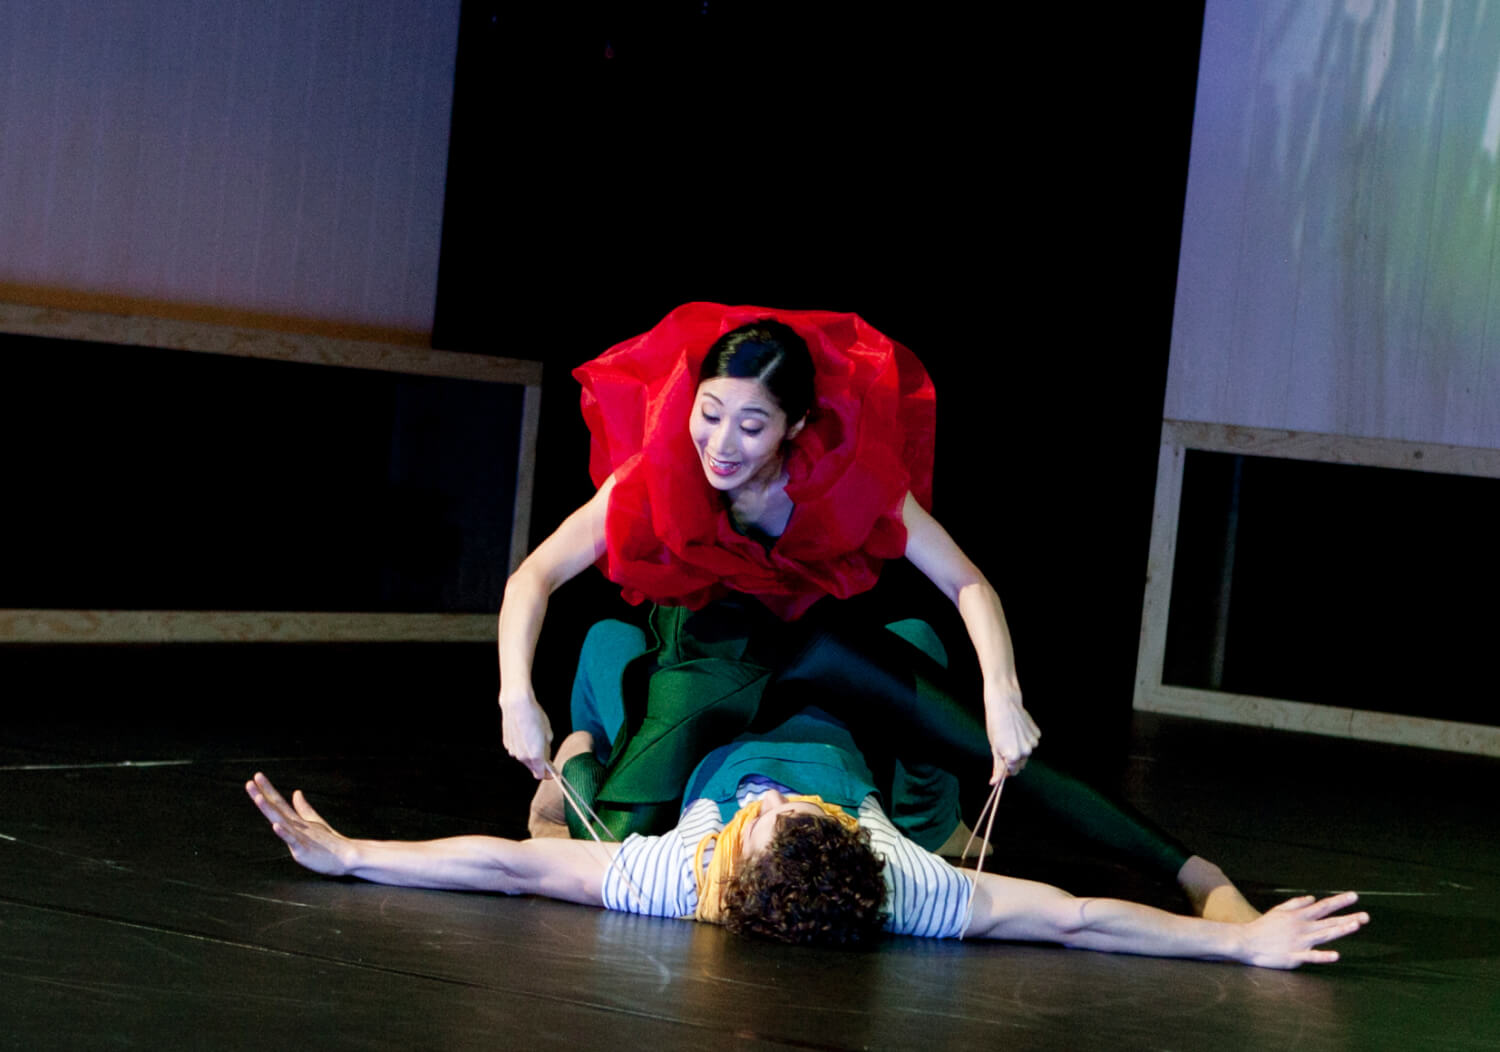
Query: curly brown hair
{"x": 816, "y": 883}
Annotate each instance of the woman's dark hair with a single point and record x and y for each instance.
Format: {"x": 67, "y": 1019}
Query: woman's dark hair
{"x": 816, "y": 883}
{"x": 771, "y": 352}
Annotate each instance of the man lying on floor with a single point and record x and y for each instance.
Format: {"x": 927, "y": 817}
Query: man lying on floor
{"x": 754, "y": 855}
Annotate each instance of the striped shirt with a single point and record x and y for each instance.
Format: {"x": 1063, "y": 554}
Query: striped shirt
{"x": 653, "y": 875}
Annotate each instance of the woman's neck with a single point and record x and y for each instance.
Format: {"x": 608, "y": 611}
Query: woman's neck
{"x": 761, "y": 504}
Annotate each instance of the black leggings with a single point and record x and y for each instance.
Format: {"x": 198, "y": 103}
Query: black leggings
{"x": 898, "y": 702}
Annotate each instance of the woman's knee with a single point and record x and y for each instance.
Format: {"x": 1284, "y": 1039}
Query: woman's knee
{"x": 610, "y": 635}
{"x": 598, "y": 703}
{"x": 922, "y": 636}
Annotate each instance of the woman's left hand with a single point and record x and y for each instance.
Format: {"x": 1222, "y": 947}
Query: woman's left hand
{"x": 1013, "y": 733}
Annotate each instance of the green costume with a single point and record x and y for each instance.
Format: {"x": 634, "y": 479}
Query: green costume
{"x": 707, "y": 677}
{"x": 714, "y": 674}
{"x": 811, "y": 753}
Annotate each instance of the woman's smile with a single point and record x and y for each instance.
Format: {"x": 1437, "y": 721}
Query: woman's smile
{"x": 722, "y": 467}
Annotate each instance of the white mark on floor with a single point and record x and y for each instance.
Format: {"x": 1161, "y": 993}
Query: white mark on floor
{"x": 1367, "y": 894}
{"x": 279, "y": 902}
{"x": 264, "y": 930}
{"x": 94, "y": 766}
{"x": 663, "y": 973}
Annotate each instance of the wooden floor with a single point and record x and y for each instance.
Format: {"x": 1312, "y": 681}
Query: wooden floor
{"x": 144, "y": 904}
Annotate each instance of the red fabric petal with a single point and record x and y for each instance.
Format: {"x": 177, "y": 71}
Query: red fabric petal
{"x": 868, "y": 442}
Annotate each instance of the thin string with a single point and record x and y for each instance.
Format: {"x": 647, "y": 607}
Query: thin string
{"x": 589, "y": 819}
{"x": 990, "y": 808}
{"x": 586, "y": 814}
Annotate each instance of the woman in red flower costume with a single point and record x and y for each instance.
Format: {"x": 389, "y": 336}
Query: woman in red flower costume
{"x": 710, "y": 486}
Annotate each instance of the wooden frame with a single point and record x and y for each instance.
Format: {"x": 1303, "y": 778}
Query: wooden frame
{"x": 1152, "y": 695}
{"x": 179, "y": 626}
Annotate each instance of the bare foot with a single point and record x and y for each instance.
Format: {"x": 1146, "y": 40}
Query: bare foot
{"x": 549, "y": 808}
{"x": 1213, "y": 895}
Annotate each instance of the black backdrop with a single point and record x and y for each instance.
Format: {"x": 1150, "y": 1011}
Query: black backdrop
{"x": 1002, "y": 193}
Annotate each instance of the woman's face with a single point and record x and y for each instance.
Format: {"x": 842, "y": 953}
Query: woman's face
{"x": 737, "y": 429}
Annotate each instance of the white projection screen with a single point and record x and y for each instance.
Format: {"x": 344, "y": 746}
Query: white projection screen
{"x": 1338, "y": 293}
{"x": 279, "y": 158}
{"x": 260, "y": 180}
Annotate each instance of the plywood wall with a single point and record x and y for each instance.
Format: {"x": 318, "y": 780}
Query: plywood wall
{"x": 1339, "y": 271}
{"x": 284, "y": 157}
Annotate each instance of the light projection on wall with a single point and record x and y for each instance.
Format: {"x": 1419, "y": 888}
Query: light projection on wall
{"x": 278, "y": 157}
{"x": 1338, "y": 270}
{"x": 1338, "y": 302}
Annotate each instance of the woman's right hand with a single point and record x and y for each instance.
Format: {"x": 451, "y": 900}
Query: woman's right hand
{"x": 575, "y": 545}
{"x": 527, "y": 731}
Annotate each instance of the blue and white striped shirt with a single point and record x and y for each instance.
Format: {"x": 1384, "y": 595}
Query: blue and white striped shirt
{"x": 925, "y": 896}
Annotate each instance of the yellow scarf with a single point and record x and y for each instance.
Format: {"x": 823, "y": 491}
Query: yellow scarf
{"x": 715, "y": 877}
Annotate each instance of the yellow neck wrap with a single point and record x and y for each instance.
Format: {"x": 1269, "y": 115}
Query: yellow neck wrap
{"x": 715, "y": 877}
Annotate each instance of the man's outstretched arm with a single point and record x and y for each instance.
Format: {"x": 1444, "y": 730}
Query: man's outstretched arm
{"x": 1285, "y": 937}
{"x": 571, "y": 870}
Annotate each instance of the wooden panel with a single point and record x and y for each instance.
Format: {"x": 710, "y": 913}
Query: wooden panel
{"x": 220, "y": 626}
{"x": 1338, "y": 281}
{"x": 1152, "y": 695}
{"x": 143, "y": 331}
{"x": 281, "y": 156}
{"x": 520, "y": 529}
{"x": 1323, "y": 719}
{"x": 1157, "y": 601}
{"x": 167, "y": 626}
{"x": 1332, "y": 449}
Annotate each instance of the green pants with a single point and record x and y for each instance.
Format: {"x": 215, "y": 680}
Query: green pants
{"x": 922, "y": 797}
{"x": 661, "y": 703}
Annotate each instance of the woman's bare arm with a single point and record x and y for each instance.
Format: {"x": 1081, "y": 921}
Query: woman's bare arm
{"x": 1285, "y": 937}
{"x": 571, "y": 870}
{"x": 571, "y": 549}
{"x": 1013, "y": 734}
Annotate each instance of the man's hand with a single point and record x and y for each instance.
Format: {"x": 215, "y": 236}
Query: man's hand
{"x": 1285, "y": 937}
{"x": 312, "y": 841}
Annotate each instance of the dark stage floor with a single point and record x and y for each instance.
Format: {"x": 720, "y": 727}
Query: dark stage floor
{"x": 145, "y": 904}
